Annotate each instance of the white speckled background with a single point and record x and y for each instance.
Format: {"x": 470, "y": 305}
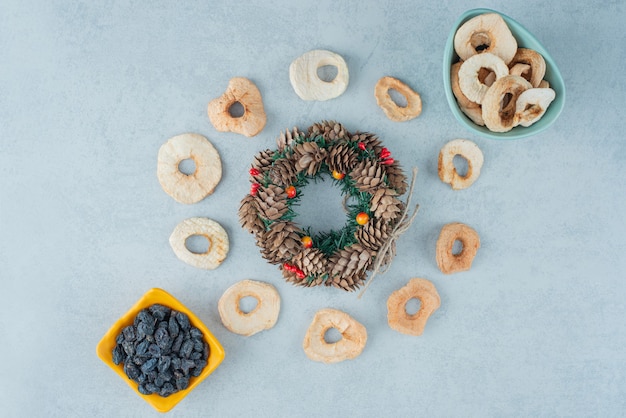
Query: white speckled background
{"x": 90, "y": 90}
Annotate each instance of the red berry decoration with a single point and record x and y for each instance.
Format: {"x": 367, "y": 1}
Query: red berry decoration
{"x": 254, "y": 188}
{"x": 337, "y": 175}
{"x": 362, "y": 218}
{"x": 291, "y": 192}
{"x": 384, "y": 154}
{"x": 388, "y": 161}
{"x": 361, "y": 146}
{"x": 254, "y": 171}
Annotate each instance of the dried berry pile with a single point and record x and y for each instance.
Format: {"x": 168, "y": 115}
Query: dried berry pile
{"x": 161, "y": 351}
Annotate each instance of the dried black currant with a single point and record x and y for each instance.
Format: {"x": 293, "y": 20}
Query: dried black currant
{"x": 182, "y": 383}
{"x": 178, "y": 343}
{"x": 142, "y": 348}
{"x": 159, "y": 311}
{"x": 195, "y": 333}
{"x": 154, "y": 351}
{"x": 118, "y": 354}
{"x": 149, "y": 365}
{"x": 164, "y": 364}
{"x": 162, "y": 337}
{"x": 186, "y": 348}
{"x": 131, "y": 371}
{"x": 183, "y": 321}
{"x": 173, "y": 327}
{"x": 129, "y": 333}
{"x": 167, "y": 389}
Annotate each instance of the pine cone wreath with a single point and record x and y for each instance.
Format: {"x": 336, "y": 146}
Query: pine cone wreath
{"x": 368, "y": 176}
{"x": 280, "y": 242}
{"x": 249, "y": 215}
{"x": 385, "y": 205}
{"x": 272, "y": 202}
{"x": 366, "y": 173}
{"x": 329, "y": 130}
{"x": 309, "y": 157}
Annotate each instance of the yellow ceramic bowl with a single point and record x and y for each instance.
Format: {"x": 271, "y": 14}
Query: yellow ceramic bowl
{"x": 106, "y": 345}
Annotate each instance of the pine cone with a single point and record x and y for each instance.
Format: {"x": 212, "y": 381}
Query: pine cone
{"x": 342, "y": 158}
{"x": 271, "y": 201}
{"x": 283, "y": 172}
{"x": 368, "y": 176}
{"x": 373, "y": 234}
{"x": 329, "y": 129}
{"x": 311, "y": 261}
{"x": 371, "y": 141}
{"x": 263, "y": 160}
{"x": 349, "y": 266}
{"x": 385, "y": 205}
{"x": 249, "y": 216}
{"x": 285, "y": 139}
{"x": 280, "y": 242}
{"x": 396, "y": 178}
{"x": 308, "y": 157}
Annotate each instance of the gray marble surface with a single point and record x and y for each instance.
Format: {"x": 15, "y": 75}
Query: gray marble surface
{"x": 90, "y": 90}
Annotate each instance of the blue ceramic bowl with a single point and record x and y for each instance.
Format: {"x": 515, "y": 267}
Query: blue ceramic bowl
{"x": 526, "y": 40}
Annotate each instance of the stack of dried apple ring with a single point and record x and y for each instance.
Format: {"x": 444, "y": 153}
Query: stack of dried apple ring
{"x": 496, "y": 83}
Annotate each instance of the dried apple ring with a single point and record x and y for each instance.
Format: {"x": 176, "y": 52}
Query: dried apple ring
{"x": 207, "y": 228}
{"x": 262, "y": 317}
{"x": 394, "y": 112}
{"x": 461, "y": 99}
{"x": 397, "y": 316}
{"x": 189, "y": 188}
{"x": 536, "y": 62}
{"x": 499, "y": 103}
{"x": 352, "y": 343}
{"x": 245, "y": 92}
{"x": 447, "y": 171}
{"x": 485, "y": 33}
{"x": 469, "y": 79}
{"x": 447, "y": 261}
{"x": 532, "y": 104}
{"x": 308, "y": 85}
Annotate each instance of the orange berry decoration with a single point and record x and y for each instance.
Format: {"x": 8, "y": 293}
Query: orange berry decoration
{"x": 291, "y": 192}
{"x": 362, "y": 218}
{"x": 337, "y": 175}
{"x": 307, "y": 241}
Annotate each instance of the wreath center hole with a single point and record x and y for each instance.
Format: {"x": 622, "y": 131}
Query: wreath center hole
{"x": 457, "y": 247}
{"x": 248, "y": 304}
{"x": 321, "y": 207}
{"x": 412, "y": 306}
{"x": 187, "y": 166}
{"x": 460, "y": 165}
{"x": 327, "y": 73}
{"x": 198, "y": 244}
{"x": 236, "y": 110}
{"x": 332, "y": 335}
{"x": 398, "y": 98}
